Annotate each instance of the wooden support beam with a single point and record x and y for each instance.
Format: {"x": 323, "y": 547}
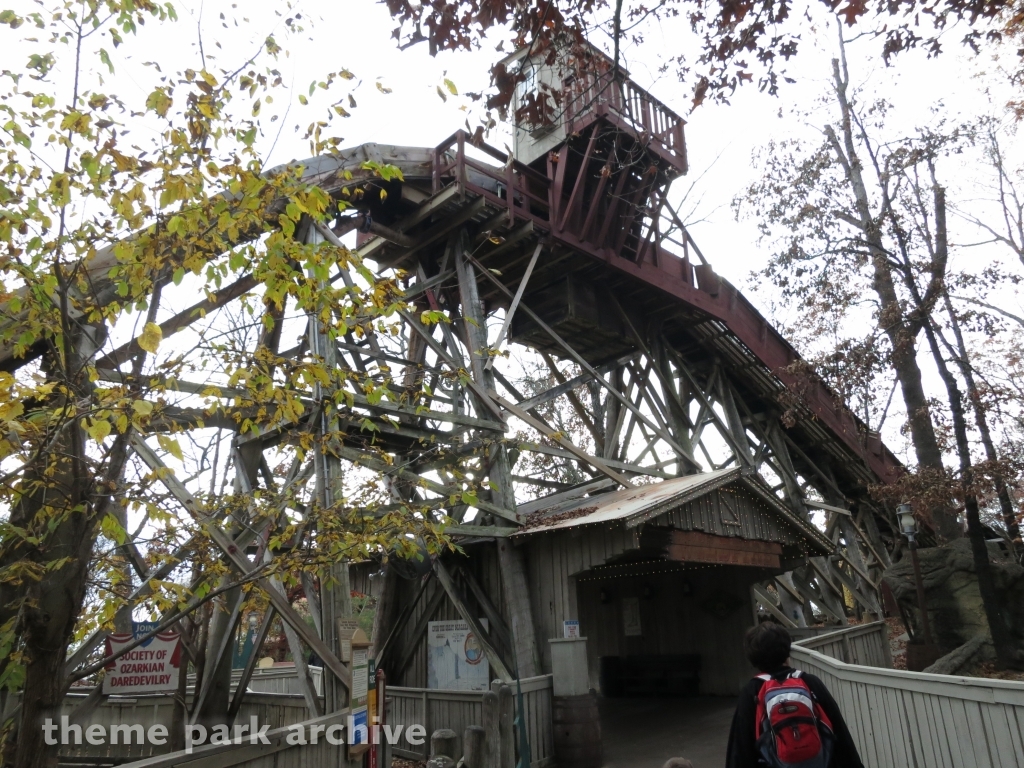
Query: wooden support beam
{"x": 497, "y": 623}
{"x": 418, "y": 629}
{"x": 515, "y": 301}
{"x": 580, "y": 360}
{"x": 553, "y": 434}
{"x": 727, "y": 433}
{"x": 250, "y": 663}
{"x": 366, "y": 460}
{"x": 548, "y": 395}
{"x": 481, "y": 531}
{"x": 403, "y": 619}
{"x": 242, "y": 564}
{"x": 765, "y": 599}
{"x": 201, "y": 707}
{"x": 455, "y": 595}
{"x": 479, "y": 391}
{"x": 815, "y": 594}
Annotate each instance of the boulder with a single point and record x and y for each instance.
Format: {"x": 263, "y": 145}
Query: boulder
{"x": 955, "y": 610}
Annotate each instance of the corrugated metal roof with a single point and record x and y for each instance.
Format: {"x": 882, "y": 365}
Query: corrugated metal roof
{"x": 633, "y": 506}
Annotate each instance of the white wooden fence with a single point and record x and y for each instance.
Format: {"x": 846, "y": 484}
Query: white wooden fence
{"x": 277, "y": 754}
{"x": 916, "y": 719}
{"x": 864, "y": 644}
{"x": 281, "y": 679}
{"x": 273, "y": 709}
{"x": 457, "y": 709}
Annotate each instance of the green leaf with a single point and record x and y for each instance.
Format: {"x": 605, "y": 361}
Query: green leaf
{"x": 105, "y": 58}
{"x": 112, "y": 529}
{"x": 451, "y": 87}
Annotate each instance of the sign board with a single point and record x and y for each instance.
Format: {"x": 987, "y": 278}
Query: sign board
{"x": 571, "y": 628}
{"x": 152, "y": 667}
{"x": 359, "y": 730}
{"x": 455, "y": 657}
{"x": 360, "y": 676}
{"x": 631, "y": 616}
{"x": 346, "y": 628}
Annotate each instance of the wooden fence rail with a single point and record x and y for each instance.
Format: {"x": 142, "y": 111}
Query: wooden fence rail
{"x": 277, "y": 754}
{"x": 457, "y": 709}
{"x": 274, "y": 709}
{"x": 864, "y": 644}
{"x": 916, "y": 719}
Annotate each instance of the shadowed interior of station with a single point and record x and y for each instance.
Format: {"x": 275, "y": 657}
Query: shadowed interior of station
{"x": 645, "y": 732}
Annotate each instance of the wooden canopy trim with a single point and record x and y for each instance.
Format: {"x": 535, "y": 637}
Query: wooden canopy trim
{"x": 699, "y": 547}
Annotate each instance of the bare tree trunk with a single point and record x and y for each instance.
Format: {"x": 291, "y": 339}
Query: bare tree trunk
{"x": 1000, "y": 631}
{"x": 1002, "y": 492}
{"x": 893, "y": 321}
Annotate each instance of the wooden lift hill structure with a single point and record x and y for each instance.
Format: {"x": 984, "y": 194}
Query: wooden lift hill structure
{"x": 688, "y": 501}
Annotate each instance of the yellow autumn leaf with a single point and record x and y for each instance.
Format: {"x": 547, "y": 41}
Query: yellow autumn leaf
{"x": 170, "y": 445}
{"x": 142, "y": 407}
{"x": 99, "y": 429}
{"x": 151, "y": 337}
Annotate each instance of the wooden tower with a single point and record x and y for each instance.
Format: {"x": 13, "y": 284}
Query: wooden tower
{"x": 567, "y": 252}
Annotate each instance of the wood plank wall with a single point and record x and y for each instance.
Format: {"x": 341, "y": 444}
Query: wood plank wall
{"x": 483, "y": 563}
{"x": 709, "y": 621}
{"x": 556, "y": 559}
{"x": 731, "y": 511}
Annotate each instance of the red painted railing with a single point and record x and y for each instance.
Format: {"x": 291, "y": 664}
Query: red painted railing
{"x": 592, "y": 95}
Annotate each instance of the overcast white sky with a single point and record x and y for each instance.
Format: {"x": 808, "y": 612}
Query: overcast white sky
{"x": 721, "y": 139}
{"x": 355, "y": 34}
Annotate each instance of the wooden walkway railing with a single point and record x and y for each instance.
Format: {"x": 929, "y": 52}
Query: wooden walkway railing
{"x": 915, "y": 719}
{"x": 457, "y": 709}
{"x": 864, "y": 644}
{"x": 277, "y": 754}
{"x": 274, "y": 709}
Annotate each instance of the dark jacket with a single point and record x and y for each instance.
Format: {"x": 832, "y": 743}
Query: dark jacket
{"x": 743, "y": 747}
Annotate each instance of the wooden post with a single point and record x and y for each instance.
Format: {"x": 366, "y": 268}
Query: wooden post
{"x": 506, "y": 732}
{"x": 510, "y": 560}
{"x": 492, "y": 747}
{"x": 444, "y": 741}
{"x": 474, "y": 747}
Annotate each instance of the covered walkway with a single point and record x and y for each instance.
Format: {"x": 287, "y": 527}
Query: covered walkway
{"x": 645, "y": 732}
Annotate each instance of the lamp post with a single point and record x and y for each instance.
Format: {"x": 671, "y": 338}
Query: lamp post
{"x": 908, "y": 524}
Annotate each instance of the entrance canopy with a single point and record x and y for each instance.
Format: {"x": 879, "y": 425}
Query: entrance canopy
{"x": 728, "y": 517}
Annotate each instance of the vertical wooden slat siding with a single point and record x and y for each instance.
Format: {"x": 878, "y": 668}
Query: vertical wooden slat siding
{"x": 273, "y": 709}
{"x": 278, "y": 754}
{"x": 915, "y": 719}
{"x": 459, "y": 709}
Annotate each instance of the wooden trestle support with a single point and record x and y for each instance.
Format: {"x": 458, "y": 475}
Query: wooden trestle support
{"x": 584, "y": 261}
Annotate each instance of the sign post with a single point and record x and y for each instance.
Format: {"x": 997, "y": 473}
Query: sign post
{"x": 359, "y": 720}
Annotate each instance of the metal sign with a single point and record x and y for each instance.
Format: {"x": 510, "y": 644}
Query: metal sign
{"x": 152, "y": 667}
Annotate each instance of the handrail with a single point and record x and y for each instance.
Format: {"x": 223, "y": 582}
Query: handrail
{"x": 241, "y": 751}
{"x": 851, "y": 631}
{"x": 959, "y": 686}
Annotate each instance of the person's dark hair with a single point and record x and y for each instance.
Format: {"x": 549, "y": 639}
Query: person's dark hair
{"x": 767, "y": 646}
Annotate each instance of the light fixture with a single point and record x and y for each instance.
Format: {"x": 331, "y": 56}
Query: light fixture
{"x": 908, "y": 523}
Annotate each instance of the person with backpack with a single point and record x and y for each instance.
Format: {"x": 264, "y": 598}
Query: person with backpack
{"x": 785, "y": 717}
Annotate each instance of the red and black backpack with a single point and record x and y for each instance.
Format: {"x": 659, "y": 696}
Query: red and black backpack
{"x": 791, "y": 729}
